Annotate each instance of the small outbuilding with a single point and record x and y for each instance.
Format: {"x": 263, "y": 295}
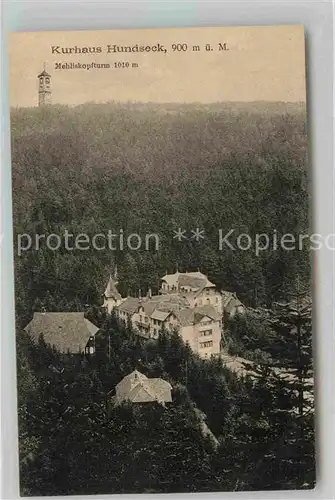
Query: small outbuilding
{"x": 137, "y": 388}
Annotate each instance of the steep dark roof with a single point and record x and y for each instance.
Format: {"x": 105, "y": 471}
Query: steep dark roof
{"x": 191, "y": 281}
{"x": 163, "y": 303}
{"x": 160, "y": 315}
{"x": 169, "y": 301}
{"x": 185, "y": 316}
{"x": 44, "y": 73}
{"x": 192, "y": 316}
{"x": 195, "y": 280}
{"x": 208, "y": 310}
{"x": 160, "y": 306}
{"x": 111, "y": 290}
{"x": 67, "y": 331}
{"x": 130, "y": 305}
{"x": 230, "y": 301}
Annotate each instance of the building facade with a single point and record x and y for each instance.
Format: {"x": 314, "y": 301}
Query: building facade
{"x": 195, "y": 287}
{"x": 187, "y": 302}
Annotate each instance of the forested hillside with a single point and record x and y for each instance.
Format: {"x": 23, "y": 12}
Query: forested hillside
{"x": 149, "y": 168}
{"x": 71, "y": 443}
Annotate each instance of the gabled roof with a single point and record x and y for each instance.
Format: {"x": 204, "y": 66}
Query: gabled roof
{"x": 66, "y": 331}
{"x": 190, "y": 281}
{"x": 160, "y": 315}
{"x": 159, "y": 307}
{"x": 171, "y": 279}
{"x": 129, "y": 305}
{"x": 171, "y": 301}
{"x": 149, "y": 306}
{"x": 226, "y": 297}
{"x": 128, "y": 381}
{"x": 111, "y": 290}
{"x": 163, "y": 303}
{"x": 44, "y": 73}
{"x": 230, "y": 301}
{"x": 138, "y": 388}
{"x": 196, "y": 281}
{"x": 208, "y": 310}
{"x": 192, "y": 316}
{"x": 185, "y": 316}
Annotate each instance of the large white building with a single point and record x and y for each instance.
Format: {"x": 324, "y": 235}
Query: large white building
{"x": 187, "y": 302}
{"x": 195, "y": 287}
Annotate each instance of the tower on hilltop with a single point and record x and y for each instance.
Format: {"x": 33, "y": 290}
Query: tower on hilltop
{"x": 44, "y": 88}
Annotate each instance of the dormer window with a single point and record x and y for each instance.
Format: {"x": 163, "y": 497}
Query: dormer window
{"x": 47, "y": 80}
{"x": 41, "y": 80}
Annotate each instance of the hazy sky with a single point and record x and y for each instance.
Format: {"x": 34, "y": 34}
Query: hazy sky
{"x": 262, "y": 63}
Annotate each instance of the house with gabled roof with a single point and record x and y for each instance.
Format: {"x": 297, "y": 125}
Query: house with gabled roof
{"x": 137, "y": 388}
{"x": 200, "y": 327}
{"x": 187, "y": 302}
{"x": 231, "y": 304}
{"x": 68, "y": 332}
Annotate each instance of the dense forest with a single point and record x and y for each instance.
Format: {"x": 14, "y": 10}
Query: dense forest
{"x": 152, "y": 169}
{"x": 149, "y": 168}
{"x": 72, "y": 443}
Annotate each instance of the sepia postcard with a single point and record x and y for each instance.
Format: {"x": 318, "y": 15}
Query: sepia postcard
{"x": 162, "y": 256}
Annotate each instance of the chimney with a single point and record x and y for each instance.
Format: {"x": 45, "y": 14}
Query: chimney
{"x": 149, "y": 293}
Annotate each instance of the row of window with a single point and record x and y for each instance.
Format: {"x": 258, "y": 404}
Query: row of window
{"x": 206, "y": 333}
{"x": 122, "y": 314}
{"x": 185, "y": 289}
{"x": 146, "y": 319}
{"x": 168, "y": 287}
{"x": 209, "y": 343}
{"x": 154, "y": 321}
{"x": 207, "y": 301}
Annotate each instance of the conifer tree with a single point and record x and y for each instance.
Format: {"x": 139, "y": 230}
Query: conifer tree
{"x": 283, "y": 394}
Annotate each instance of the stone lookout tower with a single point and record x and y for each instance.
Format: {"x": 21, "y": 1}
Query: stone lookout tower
{"x": 44, "y": 88}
